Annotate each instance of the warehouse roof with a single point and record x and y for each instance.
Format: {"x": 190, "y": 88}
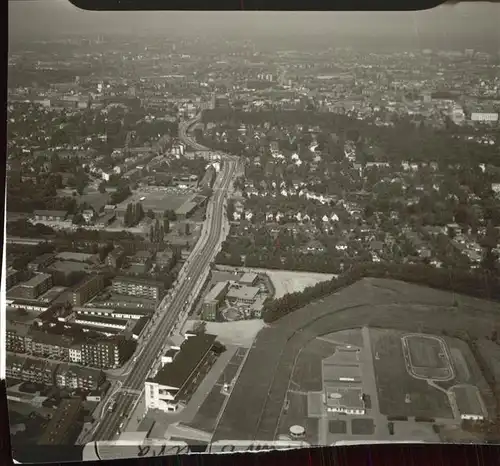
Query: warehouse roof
{"x": 192, "y": 351}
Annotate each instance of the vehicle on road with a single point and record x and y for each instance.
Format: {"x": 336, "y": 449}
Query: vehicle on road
{"x": 112, "y": 406}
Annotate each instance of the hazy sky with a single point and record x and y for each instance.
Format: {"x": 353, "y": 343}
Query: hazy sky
{"x": 42, "y": 17}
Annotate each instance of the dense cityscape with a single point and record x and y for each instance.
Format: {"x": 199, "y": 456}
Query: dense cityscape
{"x": 217, "y": 244}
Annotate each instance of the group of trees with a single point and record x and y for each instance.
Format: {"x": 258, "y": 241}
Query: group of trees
{"x": 477, "y": 284}
{"x": 133, "y": 214}
{"x": 170, "y": 215}
{"x": 157, "y": 231}
{"x": 122, "y": 192}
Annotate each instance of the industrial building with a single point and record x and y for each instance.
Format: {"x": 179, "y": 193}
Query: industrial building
{"x": 87, "y": 289}
{"x": 136, "y": 287}
{"x": 171, "y": 387}
{"x": 214, "y": 299}
{"x": 95, "y": 321}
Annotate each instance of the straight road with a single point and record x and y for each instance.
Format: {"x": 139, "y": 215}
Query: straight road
{"x": 171, "y": 312}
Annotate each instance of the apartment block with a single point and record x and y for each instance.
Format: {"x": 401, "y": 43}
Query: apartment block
{"x": 136, "y": 287}
{"x": 87, "y": 289}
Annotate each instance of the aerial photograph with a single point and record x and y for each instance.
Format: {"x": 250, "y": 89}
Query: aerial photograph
{"x": 232, "y": 231}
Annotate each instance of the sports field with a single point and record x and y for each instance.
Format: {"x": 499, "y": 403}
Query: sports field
{"x": 157, "y": 201}
{"x": 254, "y": 407}
{"x": 427, "y": 357}
{"x": 399, "y": 393}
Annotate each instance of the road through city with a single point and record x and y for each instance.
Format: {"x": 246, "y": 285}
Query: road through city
{"x": 172, "y": 306}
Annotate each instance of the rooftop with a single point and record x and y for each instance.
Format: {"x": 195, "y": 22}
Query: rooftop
{"x": 51, "y": 213}
{"x": 139, "y": 326}
{"x": 42, "y": 258}
{"x": 37, "y": 279}
{"x": 215, "y": 291}
{"x": 69, "y": 266}
{"x": 138, "y": 281}
{"x": 192, "y": 351}
{"x": 248, "y": 278}
{"x": 243, "y": 292}
{"x": 74, "y": 256}
{"x": 102, "y": 320}
{"x": 87, "y": 279}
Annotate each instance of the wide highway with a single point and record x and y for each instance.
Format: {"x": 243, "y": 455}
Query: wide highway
{"x": 171, "y": 308}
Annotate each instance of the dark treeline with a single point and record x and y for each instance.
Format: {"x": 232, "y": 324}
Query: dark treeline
{"x": 406, "y": 140}
{"x": 479, "y": 285}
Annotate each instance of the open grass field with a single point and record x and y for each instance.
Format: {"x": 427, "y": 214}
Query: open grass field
{"x": 307, "y": 373}
{"x": 255, "y": 404}
{"x": 362, "y": 426}
{"x": 337, "y": 426}
{"x": 346, "y": 337}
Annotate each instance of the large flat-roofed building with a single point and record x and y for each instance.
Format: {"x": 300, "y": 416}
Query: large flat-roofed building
{"x": 105, "y": 353}
{"x": 243, "y": 294}
{"x": 213, "y": 300}
{"x": 469, "y": 402}
{"x": 347, "y": 400}
{"x": 36, "y": 286}
{"x": 136, "y": 287}
{"x": 170, "y": 387}
{"x": 87, "y": 289}
{"x": 64, "y": 425}
{"x": 248, "y": 279}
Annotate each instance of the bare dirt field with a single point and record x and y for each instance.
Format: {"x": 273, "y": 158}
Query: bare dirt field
{"x": 240, "y": 333}
{"x": 285, "y": 281}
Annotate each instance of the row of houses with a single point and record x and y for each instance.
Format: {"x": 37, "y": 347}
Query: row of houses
{"x": 103, "y": 353}
{"x": 49, "y": 373}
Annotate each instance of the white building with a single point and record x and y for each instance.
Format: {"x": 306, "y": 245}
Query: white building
{"x": 484, "y": 116}
{"x": 169, "y": 389}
